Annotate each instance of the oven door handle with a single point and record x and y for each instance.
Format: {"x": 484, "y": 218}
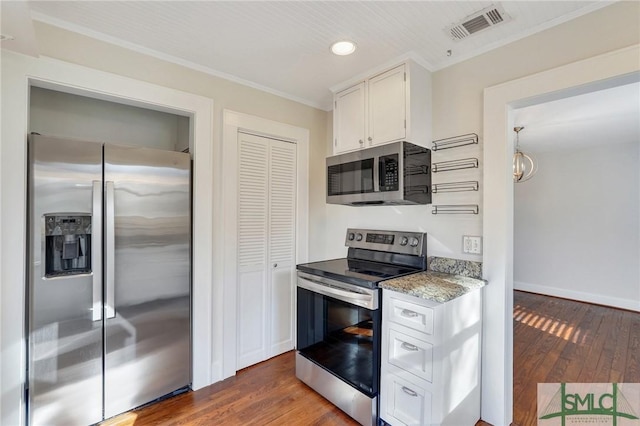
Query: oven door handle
{"x": 365, "y": 300}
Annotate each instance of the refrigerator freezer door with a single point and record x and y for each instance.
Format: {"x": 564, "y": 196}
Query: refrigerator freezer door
{"x": 65, "y": 335}
{"x": 147, "y": 308}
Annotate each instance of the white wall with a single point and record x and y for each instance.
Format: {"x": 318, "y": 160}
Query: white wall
{"x": 577, "y": 225}
{"x": 59, "y": 114}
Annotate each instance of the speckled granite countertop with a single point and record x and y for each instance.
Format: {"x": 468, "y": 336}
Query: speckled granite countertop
{"x": 438, "y": 286}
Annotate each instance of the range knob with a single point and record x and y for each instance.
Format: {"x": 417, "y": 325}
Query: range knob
{"x": 404, "y": 241}
{"x": 358, "y": 237}
{"x": 413, "y": 242}
{"x": 351, "y": 236}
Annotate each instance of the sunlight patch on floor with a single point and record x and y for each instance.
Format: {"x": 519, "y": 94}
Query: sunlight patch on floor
{"x": 555, "y": 327}
{"x": 126, "y": 419}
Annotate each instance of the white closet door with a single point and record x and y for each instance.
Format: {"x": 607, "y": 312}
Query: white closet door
{"x": 282, "y": 222}
{"x": 253, "y": 203}
{"x": 266, "y": 248}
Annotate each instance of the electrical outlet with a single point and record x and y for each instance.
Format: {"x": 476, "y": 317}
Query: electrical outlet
{"x": 471, "y": 245}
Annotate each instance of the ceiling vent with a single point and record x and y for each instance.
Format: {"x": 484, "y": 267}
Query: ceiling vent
{"x": 486, "y": 18}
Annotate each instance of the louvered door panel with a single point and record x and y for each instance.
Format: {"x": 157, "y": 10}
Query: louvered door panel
{"x": 282, "y": 191}
{"x": 282, "y": 203}
{"x": 266, "y": 247}
{"x": 252, "y": 278}
{"x": 252, "y": 202}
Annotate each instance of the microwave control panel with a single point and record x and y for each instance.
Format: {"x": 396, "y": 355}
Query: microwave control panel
{"x": 389, "y": 180}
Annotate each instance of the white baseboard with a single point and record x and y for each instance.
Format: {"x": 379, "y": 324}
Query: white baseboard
{"x": 600, "y": 299}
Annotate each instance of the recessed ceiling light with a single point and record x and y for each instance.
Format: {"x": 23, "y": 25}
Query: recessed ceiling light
{"x": 343, "y": 47}
{"x": 6, "y": 37}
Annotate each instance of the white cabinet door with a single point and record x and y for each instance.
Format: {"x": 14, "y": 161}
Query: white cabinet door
{"x": 266, "y": 248}
{"x": 387, "y": 107}
{"x": 349, "y": 119}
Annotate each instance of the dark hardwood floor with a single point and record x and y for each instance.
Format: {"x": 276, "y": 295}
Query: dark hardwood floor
{"x": 556, "y": 340}
{"x": 263, "y": 394}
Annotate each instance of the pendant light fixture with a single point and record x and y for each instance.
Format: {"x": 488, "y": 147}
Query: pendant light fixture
{"x": 524, "y": 167}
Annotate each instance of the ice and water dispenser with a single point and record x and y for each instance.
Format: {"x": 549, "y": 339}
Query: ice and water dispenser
{"x": 67, "y": 244}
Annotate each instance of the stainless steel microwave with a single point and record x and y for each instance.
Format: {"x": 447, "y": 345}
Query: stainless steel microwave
{"x": 392, "y": 174}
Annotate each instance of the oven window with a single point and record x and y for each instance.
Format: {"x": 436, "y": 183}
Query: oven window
{"x": 350, "y": 178}
{"x": 342, "y": 338}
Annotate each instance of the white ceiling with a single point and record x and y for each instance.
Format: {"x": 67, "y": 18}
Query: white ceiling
{"x": 283, "y": 46}
{"x": 602, "y": 117}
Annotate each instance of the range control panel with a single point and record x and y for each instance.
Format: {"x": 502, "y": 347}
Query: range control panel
{"x": 406, "y": 242}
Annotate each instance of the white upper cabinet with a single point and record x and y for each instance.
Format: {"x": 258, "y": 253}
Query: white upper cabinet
{"x": 387, "y": 107}
{"x": 349, "y": 119}
{"x": 394, "y": 105}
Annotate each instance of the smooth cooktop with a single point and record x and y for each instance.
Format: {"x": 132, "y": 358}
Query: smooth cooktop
{"x": 358, "y": 272}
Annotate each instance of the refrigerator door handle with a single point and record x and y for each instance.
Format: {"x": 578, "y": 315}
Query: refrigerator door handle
{"x": 110, "y": 311}
{"x": 96, "y": 250}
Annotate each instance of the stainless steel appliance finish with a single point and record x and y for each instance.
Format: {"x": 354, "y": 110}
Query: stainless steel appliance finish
{"x": 108, "y": 279}
{"x": 359, "y": 406}
{"x": 349, "y": 293}
{"x": 339, "y": 317}
{"x": 392, "y": 174}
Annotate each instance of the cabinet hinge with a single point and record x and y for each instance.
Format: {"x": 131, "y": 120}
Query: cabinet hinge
{"x": 335, "y": 104}
{"x": 335, "y": 142}
{"x": 405, "y": 124}
{"x": 405, "y": 76}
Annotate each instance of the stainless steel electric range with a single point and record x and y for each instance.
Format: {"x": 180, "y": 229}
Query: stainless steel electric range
{"x": 339, "y": 317}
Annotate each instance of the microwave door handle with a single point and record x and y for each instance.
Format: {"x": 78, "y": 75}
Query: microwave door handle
{"x": 376, "y": 174}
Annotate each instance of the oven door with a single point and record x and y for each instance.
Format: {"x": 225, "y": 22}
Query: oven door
{"x": 338, "y": 328}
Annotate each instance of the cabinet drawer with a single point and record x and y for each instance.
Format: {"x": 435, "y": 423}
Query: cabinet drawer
{"x": 406, "y": 403}
{"x": 411, "y": 315}
{"x": 411, "y": 354}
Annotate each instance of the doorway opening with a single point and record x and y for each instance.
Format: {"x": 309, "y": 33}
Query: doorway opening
{"x": 576, "y": 227}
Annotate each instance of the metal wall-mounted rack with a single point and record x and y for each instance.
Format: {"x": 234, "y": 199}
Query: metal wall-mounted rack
{"x": 455, "y": 209}
{"x": 412, "y": 169}
{"x": 454, "y": 142}
{"x": 417, "y": 189}
{"x": 471, "y": 185}
{"x": 445, "y": 166}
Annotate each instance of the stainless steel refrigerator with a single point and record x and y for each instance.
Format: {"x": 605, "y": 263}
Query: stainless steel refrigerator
{"x": 108, "y": 289}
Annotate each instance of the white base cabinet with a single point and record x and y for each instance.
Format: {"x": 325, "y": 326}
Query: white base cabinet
{"x": 430, "y": 367}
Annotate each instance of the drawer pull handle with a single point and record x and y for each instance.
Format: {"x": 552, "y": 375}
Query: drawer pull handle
{"x": 409, "y": 346}
{"x": 409, "y": 391}
{"x": 409, "y": 314}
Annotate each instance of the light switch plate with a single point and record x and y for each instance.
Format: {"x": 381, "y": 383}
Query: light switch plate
{"x": 471, "y": 244}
